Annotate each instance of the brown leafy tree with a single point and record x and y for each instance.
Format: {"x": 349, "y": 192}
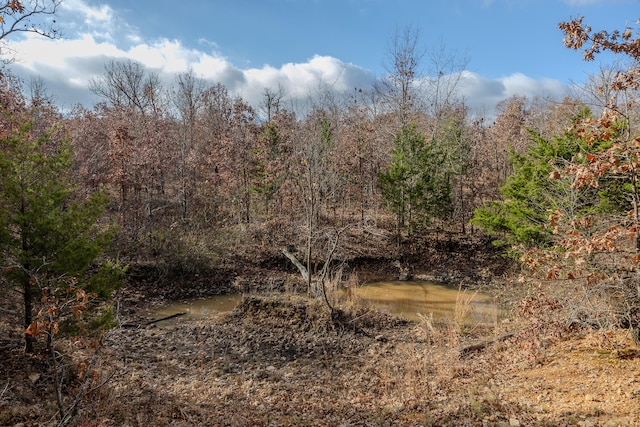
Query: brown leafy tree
{"x": 187, "y": 98}
{"x": 358, "y": 160}
{"x": 273, "y": 161}
{"x": 142, "y": 149}
{"x": 599, "y": 248}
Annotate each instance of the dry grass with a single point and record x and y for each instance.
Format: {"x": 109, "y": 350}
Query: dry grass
{"x": 287, "y": 361}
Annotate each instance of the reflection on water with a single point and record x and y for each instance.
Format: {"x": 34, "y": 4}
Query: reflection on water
{"x": 408, "y": 298}
{"x": 197, "y": 309}
{"x": 405, "y": 299}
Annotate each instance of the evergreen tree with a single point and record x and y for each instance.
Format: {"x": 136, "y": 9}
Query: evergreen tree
{"x": 535, "y": 190}
{"x": 50, "y": 234}
{"x": 415, "y": 186}
{"x": 454, "y": 156}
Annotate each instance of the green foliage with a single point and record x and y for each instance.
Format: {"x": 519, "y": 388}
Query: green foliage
{"x": 50, "y": 233}
{"x": 528, "y": 193}
{"x": 454, "y": 147}
{"x": 104, "y": 320}
{"x": 45, "y": 223}
{"x": 267, "y": 177}
{"x": 109, "y": 277}
{"x": 326, "y": 133}
{"x": 415, "y": 186}
{"x": 534, "y": 190}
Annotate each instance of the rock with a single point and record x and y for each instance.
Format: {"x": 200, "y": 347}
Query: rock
{"x": 404, "y": 276}
{"x": 513, "y": 422}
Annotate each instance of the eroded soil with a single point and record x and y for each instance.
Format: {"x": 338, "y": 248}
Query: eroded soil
{"x": 287, "y": 361}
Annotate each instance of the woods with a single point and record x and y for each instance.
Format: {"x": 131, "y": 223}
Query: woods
{"x": 186, "y": 171}
{"x": 186, "y": 183}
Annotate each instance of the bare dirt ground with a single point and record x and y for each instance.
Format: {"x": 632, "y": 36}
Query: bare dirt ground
{"x": 286, "y": 361}
{"x": 586, "y": 378}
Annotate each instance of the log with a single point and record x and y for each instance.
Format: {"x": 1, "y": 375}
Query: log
{"x": 182, "y": 313}
{"x": 294, "y": 260}
{"x": 151, "y": 322}
{"x": 482, "y": 345}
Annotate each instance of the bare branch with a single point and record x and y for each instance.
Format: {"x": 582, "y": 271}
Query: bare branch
{"x": 30, "y": 16}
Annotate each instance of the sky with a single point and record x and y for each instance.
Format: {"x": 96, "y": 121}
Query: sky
{"x": 510, "y": 47}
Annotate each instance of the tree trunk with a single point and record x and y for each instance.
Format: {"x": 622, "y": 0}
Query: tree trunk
{"x": 27, "y": 291}
{"x": 303, "y": 270}
{"x": 28, "y": 316}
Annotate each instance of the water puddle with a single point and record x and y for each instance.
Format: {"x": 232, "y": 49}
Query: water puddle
{"x": 410, "y": 299}
{"x": 195, "y": 309}
{"x": 402, "y": 298}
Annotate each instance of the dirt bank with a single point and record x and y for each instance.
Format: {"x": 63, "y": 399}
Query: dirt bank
{"x": 287, "y": 361}
{"x": 468, "y": 260}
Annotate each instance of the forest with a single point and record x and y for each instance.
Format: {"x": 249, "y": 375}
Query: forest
{"x": 162, "y": 192}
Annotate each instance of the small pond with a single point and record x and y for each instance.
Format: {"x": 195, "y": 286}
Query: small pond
{"x": 407, "y": 299}
{"x": 196, "y": 308}
{"x": 410, "y": 299}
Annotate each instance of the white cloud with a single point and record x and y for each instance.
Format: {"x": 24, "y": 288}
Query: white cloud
{"x": 301, "y": 80}
{"x": 79, "y": 17}
{"x": 99, "y": 15}
{"x": 150, "y": 56}
{"x": 519, "y": 84}
{"x": 482, "y": 94}
{"x": 67, "y": 65}
{"x": 72, "y": 63}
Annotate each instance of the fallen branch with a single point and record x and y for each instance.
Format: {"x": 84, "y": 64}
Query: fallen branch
{"x": 6, "y": 387}
{"x": 294, "y": 260}
{"x": 482, "y": 345}
{"x": 9, "y": 346}
{"x": 9, "y": 312}
{"x": 151, "y": 322}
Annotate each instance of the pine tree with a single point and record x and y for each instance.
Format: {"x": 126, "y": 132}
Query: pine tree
{"x": 415, "y": 185}
{"x": 50, "y": 234}
{"x": 535, "y": 189}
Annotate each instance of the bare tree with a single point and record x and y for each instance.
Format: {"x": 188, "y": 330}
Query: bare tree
{"x": 402, "y": 63}
{"x": 446, "y": 71}
{"x": 126, "y": 84}
{"x": 187, "y": 98}
{"x": 596, "y": 91}
{"x": 272, "y": 102}
{"x": 25, "y": 16}
{"x": 141, "y": 142}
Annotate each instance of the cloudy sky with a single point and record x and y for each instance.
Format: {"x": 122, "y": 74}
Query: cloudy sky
{"x": 512, "y": 47}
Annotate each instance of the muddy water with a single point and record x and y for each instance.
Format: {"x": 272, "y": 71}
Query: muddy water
{"x": 406, "y": 299}
{"x": 195, "y": 309}
{"x": 410, "y": 299}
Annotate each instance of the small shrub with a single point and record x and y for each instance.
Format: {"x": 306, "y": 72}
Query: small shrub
{"x": 109, "y": 277}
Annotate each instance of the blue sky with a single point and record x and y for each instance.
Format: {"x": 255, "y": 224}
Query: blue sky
{"x": 513, "y": 47}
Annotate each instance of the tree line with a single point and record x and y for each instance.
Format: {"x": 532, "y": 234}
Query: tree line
{"x": 183, "y": 172}
{"x": 180, "y": 174}
{"x": 194, "y": 158}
